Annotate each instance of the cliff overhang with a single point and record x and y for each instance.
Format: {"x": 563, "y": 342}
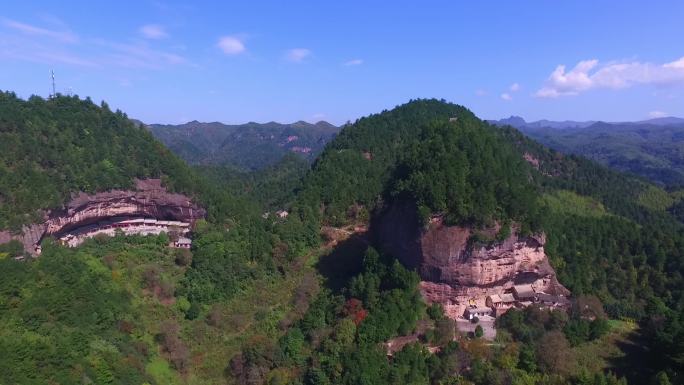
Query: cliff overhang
{"x": 149, "y": 199}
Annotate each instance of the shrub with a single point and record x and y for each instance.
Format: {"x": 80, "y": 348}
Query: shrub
{"x": 193, "y": 311}
{"x": 479, "y": 332}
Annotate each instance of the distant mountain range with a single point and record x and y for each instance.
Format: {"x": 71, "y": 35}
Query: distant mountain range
{"x": 518, "y": 122}
{"x": 653, "y": 148}
{"x": 247, "y": 146}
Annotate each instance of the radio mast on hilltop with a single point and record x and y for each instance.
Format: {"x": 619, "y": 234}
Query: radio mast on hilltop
{"x": 54, "y": 92}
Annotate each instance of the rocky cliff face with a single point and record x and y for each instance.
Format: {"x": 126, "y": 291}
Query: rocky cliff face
{"x": 149, "y": 199}
{"x": 457, "y": 271}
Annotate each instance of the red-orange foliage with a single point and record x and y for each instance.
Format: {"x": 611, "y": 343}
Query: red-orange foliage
{"x": 354, "y": 308}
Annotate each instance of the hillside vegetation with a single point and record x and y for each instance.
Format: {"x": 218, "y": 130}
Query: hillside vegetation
{"x": 123, "y": 310}
{"x": 273, "y": 187}
{"x": 604, "y": 238}
{"x": 254, "y": 301}
{"x": 52, "y": 148}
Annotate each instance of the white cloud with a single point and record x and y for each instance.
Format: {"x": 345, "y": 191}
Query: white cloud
{"x": 480, "y": 92}
{"x": 44, "y": 55}
{"x": 297, "y": 55}
{"x": 34, "y": 44}
{"x": 657, "y": 114}
{"x": 354, "y": 62}
{"x": 506, "y": 96}
{"x": 138, "y": 56}
{"x": 231, "y": 45}
{"x": 515, "y": 87}
{"x": 678, "y": 64}
{"x": 588, "y": 74}
{"x": 27, "y": 29}
{"x": 153, "y": 31}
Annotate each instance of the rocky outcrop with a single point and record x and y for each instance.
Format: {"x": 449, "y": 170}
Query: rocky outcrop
{"x": 457, "y": 271}
{"x": 29, "y": 236}
{"x": 149, "y": 199}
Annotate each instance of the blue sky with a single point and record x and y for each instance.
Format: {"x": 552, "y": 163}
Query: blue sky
{"x": 171, "y": 62}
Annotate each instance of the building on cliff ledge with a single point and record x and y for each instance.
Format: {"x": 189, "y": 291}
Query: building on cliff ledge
{"x": 126, "y": 226}
{"x": 524, "y": 293}
{"x": 182, "y": 243}
{"x": 553, "y": 301}
{"x": 473, "y": 312}
{"x": 500, "y": 302}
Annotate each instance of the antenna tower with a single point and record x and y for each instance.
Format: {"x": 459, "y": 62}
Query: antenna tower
{"x": 54, "y": 91}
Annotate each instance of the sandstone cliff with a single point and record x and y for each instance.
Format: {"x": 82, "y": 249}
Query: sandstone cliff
{"x": 455, "y": 270}
{"x": 149, "y": 199}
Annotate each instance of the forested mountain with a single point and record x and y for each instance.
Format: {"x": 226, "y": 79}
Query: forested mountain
{"x": 279, "y": 300}
{"x": 360, "y": 163}
{"x": 653, "y": 149}
{"x": 52, "y": 148}
{"x": 109, "y": 311}
{"x": 248, "y": 146}
{"x": 443, "y": 159}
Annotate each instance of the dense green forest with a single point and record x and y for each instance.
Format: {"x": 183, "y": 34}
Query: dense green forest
{"x": 265, "y": 300}
{"x": 51, "y": 148}
{"x": 465, "y": 171}
{"x": 358, "y": 165}
{"x": 272, "y": 187}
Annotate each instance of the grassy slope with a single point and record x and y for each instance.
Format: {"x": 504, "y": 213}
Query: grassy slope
{"x": 608, "y": 353}
{"x": 566, "y": 202}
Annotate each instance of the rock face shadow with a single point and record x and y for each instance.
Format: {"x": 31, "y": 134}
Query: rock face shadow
{"x": 637, "y": 364}
{"x": 397, "y": 232}
{"x": 343, "y": 262}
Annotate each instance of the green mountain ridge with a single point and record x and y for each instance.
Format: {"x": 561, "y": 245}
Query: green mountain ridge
{"x": 653, "y": 149}
{"x": 653, "y": 152}
{"x": 247, "y": 146}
